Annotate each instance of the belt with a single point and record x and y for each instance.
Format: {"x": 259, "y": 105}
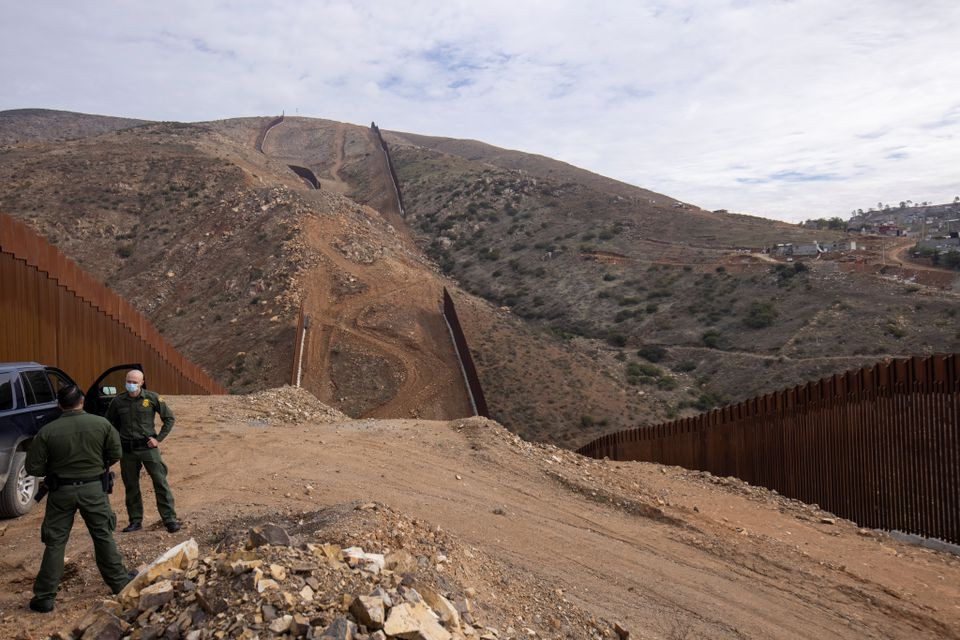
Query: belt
{"x": 134, "y": 445}
{"x": 77, "y": 481}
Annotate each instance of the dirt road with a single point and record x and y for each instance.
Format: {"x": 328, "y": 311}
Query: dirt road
{"x": 899, "y": 255}
{"x": 672, "y": 553}
{"x": 378, "y": 338}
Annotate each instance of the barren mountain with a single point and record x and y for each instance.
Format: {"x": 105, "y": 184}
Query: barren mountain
{"x": 591, "y": 305}
{"x": 29, "y": 125}
{"x": 695, "y": 320}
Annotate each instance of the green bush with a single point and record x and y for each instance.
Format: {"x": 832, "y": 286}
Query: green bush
{"x": 635, "y": 369}
{"x": 684, "y": 366}
{"x": 667, "y": 383}
{"x": 617, "y": 339}
{"x": 707, "y": 400}
{"x": 760, "y": 315}
{"x": 124, "y": 251}
{"x": 711, "y": 339}
{"x": 652, "y": 352}
{"x": 895, "y": 329}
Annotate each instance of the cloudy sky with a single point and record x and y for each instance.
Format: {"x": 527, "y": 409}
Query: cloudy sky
{"x": 788, "y": 109}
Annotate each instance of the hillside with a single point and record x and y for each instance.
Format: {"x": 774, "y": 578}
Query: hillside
{"x": 534, "y": 537}
{"x": 591, "y": 305}
{"x": 34, "y": 125}
{"x": 580, "y": 257}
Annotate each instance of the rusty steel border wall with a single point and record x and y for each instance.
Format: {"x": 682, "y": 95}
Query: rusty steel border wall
{"x": 472, "y": 380}
{"x": 262, "y": 135}
{"x": 55, "y": 313}
{"x": 879, "y": 446}
{"x": 299, "y": 348}
{"x": 393, "y": 171}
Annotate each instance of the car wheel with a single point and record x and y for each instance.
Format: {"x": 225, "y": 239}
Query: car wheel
{"x": 16, "y": 499}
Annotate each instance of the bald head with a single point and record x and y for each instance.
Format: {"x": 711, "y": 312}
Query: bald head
{"x": 134, "y": 382}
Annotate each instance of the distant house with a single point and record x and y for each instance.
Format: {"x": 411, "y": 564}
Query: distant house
{"x": 940, "y": 244}
{"x": 807, "y": 249}
{"x": 801, "y": 249}
{"x": 890, "y": 229}
{"x": 839, "y": 245}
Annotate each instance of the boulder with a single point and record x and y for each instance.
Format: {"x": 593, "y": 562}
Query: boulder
{"x": 106, "y": 627}
{"x": 400, "y": 561}
{"x": 339, "y": 629}
{"x": 278, "y": 573}
{"x": 299, "y": 626}
{"x": 155, "y": 595}
{"x": 621, "y": 631}
{"x": 212, "y": 604}
{"x": 369, "y": 611}
{"x": 271, "y": 534}
{"x": 443, "y": 607}
{"x": 356, "y": 558}
{"x": 95, "y": 612}
{"x": 182, "y": 557}
{"x": 414, "y": 622}
{"x": 280, "y": 625}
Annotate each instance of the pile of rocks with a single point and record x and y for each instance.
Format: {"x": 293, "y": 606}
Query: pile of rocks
{"x": 283, "y": 405}
{"x": 269, "y": 587}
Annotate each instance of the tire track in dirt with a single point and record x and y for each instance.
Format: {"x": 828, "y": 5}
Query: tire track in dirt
{"x": 428, "y": 369}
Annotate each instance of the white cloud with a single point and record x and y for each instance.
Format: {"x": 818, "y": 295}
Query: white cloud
{"x": 786, "y": 109}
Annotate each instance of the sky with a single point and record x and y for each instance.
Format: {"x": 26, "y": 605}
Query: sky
{"x": 785, "y": 109}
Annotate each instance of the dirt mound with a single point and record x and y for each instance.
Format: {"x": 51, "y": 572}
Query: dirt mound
{"x": 349, "y": 571}
{"x": 285, "y": 405}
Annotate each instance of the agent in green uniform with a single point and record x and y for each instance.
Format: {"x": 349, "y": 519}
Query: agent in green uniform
{"x": 74, "y": 452}
{"x": 132, "y": 413}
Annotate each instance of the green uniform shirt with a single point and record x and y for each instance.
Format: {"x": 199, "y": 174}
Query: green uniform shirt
{"x": 134, "y": 417}
{"x": 75, "y": 445}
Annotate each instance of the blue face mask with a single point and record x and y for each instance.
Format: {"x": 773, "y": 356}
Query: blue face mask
{"x": 132, "y": 387}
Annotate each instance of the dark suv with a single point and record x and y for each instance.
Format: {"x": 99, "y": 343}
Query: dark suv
{"x": 28, "y": 400}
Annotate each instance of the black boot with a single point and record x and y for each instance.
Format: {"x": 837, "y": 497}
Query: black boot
{"x": 41, "y": 606}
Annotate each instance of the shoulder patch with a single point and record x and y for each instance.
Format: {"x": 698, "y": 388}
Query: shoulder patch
{"x": 146, "y": 402}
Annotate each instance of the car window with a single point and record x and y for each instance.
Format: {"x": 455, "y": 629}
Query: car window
{"x": 109, "y": 385}
{"x": 36, "y": 386}
{"x": 57, "y": 381}
{"x": 6, "y": 392}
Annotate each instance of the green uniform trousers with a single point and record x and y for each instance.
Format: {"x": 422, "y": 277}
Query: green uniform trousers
{"x": 94, "y": 507}
{"x": 150, "y": 460}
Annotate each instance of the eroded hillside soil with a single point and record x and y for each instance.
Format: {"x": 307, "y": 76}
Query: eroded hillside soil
{"x": 563, "y": 544}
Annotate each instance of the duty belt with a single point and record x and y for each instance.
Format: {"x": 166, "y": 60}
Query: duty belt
{"x": 75, "y": 481}
{"x": 137, "y": 444}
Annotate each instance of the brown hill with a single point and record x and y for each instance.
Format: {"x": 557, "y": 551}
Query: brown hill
{"x": 27, "y": 125}
{"x": 623, "y": 306}
{"x": 660, "y": 284}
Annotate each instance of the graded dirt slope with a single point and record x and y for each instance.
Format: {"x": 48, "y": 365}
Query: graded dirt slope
{"x": 669, "y": 553}
{"x": 219, "y": 244}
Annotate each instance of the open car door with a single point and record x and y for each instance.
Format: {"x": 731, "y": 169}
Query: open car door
{"x": 106, "y": 388}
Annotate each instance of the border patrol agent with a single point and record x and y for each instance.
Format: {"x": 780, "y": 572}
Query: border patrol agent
{"x": 132, "y": 414}
{"x": 75, "y": 453}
